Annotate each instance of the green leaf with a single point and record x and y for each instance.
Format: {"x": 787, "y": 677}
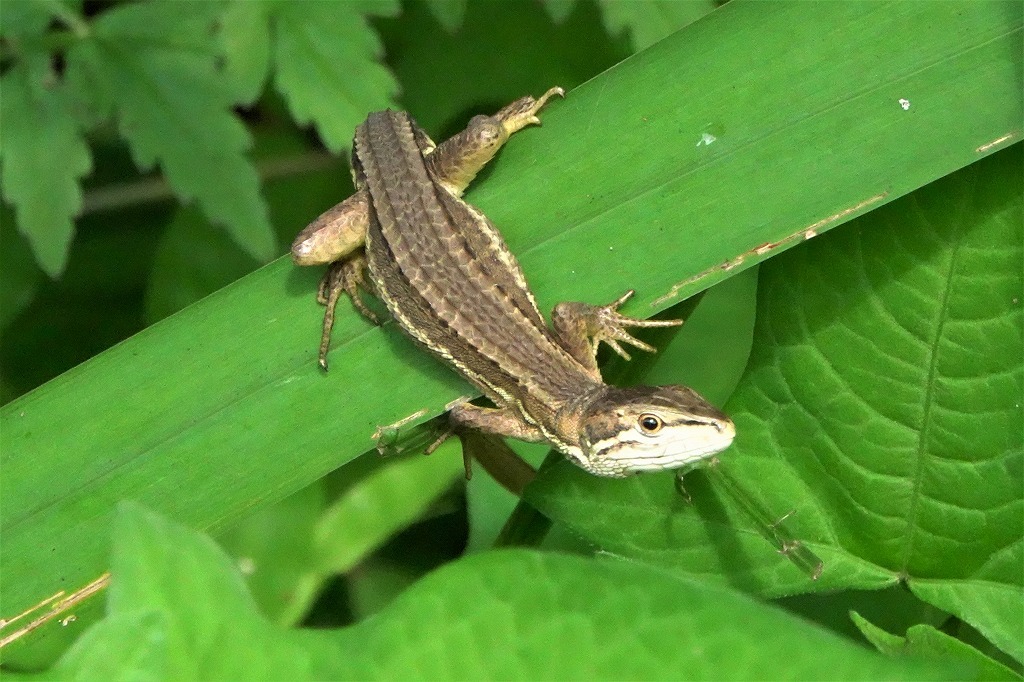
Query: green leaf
{"x": 650, "y": 21}
{"x": 881, "y": 403}
{"x": 157, "y": 64}
{"x": 245, "y": 40}
{"x": 559, "y": 10}
{"x": 192, "y": 260}
{"x": 326, "y": 59}
{"x": 924, "y": 640}
{"x": 991, "y": 604}
{"x": 273, "y": 549}
{"x": 291, "y": 550}
{"x": 221, "y": 408}
{"x": 21, "y": 277}
{"x": 449, "y": 12}
{"x": 509, "y": 615}
{"x": 380, "y": 505}
{"x": 44, "y": 154}
{"x": 26, "y": 18}
{"x": 194, "y": 618}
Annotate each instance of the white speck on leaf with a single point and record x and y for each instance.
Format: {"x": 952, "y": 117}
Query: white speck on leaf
{"x": 706, "y": 139}
{"x": 905, "y": 103}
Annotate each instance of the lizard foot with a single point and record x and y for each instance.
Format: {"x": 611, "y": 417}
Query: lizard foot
{"x": 606, "y": 324}
{"x": 523, "y": 111}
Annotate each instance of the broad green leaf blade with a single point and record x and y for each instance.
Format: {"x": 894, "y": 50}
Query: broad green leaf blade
{"x": 927, "y": 641}
{"x": 327, "y": 66}
{"x": 221, "y": 407}
{"x": 527, "y": 615}
{"x": 710, "y": 118}
{"x": 161, "y": 568}
{"x": 507, "y": 615}
{"x": 650, "y": 21}
{"x": 44, "y": 155}
{"x": 882, "y": 403}
{"x": 158, "y": 64}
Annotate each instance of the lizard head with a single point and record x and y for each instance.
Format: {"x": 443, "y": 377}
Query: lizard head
{"x": 648, "y": 428}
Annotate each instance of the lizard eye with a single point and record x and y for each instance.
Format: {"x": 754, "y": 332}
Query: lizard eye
{"x": 649, "y": 424}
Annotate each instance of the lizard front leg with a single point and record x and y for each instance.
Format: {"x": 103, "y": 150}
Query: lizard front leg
{"x": 581, "y": 327}
{"x": 456, "y": 161}
{"x": 346, "y": 276}
{"x": 337, "y": 237}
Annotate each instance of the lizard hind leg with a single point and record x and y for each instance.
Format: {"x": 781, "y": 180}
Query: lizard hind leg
{"x": 343, "y": 277}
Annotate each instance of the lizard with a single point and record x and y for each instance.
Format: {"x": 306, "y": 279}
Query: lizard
{"x": 446, "y": 276}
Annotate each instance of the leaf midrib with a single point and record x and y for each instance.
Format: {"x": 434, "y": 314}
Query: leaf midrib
{"x": 929, "y": 389}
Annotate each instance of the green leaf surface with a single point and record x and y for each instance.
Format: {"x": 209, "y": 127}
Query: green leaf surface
{"x": 882, "y": 403}
{"x": 924, "y": 640}
{"x": 221, "y": 407}
{"x": 380, "y": 505}
{"x": 195, "y": 617}
{"x": 158, "y": 64}
{"x": 648, "y": 22}
{"x": 327, "y": 65}
{"x": 559, "y": 10}
{"x": 44, "y": 155}
{"x": 245, "y": 40}
{"x": 26, "y": 18}
{"x": 449, "y": 12}
{"x": 21, "y": 276}
{"x": 993, "y": 606}
{"x": 273, "y": 550}
{"x": 193, "y": 259}
{"x": 508, "y": 615}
